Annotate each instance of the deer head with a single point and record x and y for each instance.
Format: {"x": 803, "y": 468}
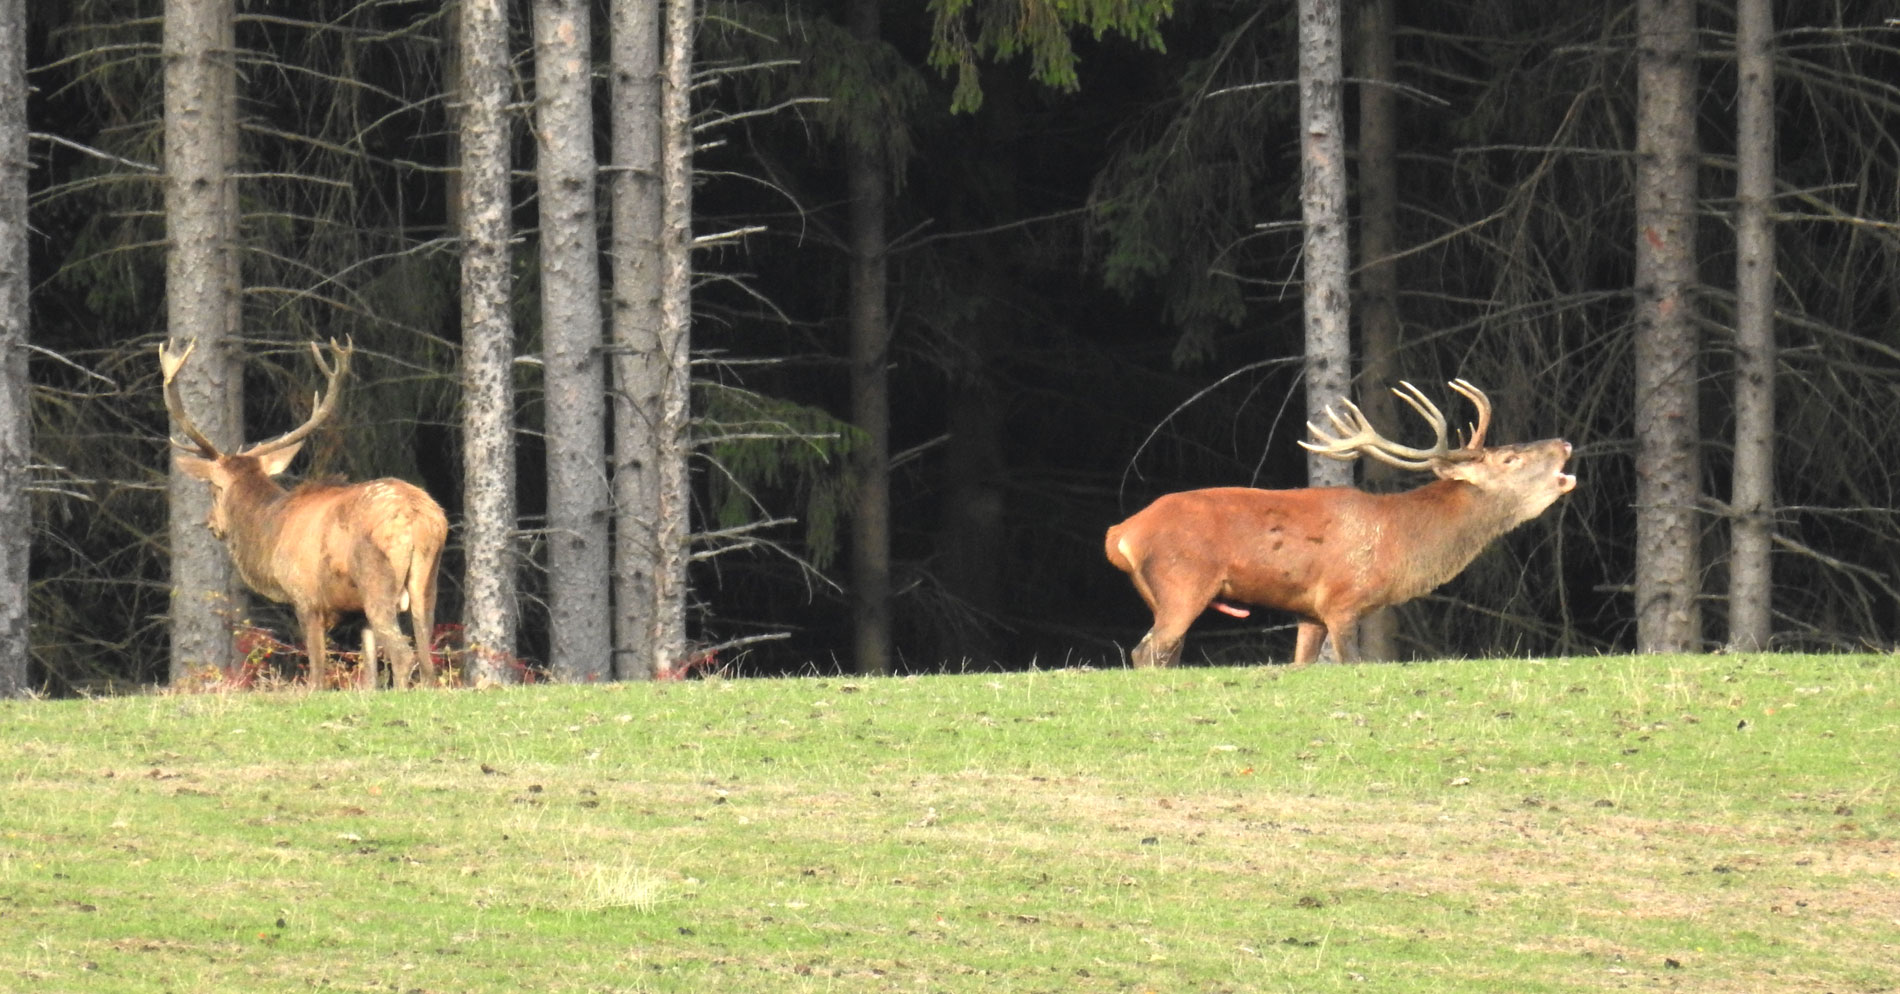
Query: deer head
{"x": 1525, "y": 478}
{"x": 266, "y": 459}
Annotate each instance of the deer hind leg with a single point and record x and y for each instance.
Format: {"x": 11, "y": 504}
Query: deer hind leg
{"x": 422, "y": 621}
{"x": 384, "y": 628}
{"x": 1176, "y": 604}
{"x": 366, "y": 673}
{"x": 1153, "y": 652}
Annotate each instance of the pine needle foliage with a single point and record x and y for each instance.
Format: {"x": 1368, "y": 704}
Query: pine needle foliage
{"x": 769, "y": 453}
{"x": 965, "y": 32}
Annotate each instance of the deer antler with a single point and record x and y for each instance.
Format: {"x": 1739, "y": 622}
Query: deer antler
{"x": 1355, "y": 435}
{"x": 169, "y": 363}
{"x": 325, "y": 402}
{"x": 1478, "y": 400}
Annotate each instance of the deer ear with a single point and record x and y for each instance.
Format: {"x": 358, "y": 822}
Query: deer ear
{"x": 193, "y": 466}
{"x": 273, "y": 463}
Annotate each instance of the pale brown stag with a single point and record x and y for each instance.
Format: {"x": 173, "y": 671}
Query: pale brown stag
{"x": 1332, "y": 555}
{"x": 323, "y": 548}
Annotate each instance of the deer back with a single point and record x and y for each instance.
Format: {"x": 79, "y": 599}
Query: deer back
{"x": 329, "y": 544}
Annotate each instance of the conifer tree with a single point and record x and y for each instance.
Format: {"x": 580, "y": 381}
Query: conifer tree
{"x": 15, "y": 392}
{"x": 491, "y": 618}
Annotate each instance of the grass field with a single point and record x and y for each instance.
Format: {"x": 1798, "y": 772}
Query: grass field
{"x": 1706, "y": 823}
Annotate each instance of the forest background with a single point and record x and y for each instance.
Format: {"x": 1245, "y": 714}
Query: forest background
{"x": 1090, "y": 288}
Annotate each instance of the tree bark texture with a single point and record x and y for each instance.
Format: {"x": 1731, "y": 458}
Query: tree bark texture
{"x": 1326, "y": 267}
{"x": 579, "y": 577}
{"x": 201, "y": 304}
{"x": 491, "y": 620}
{"x": 1752, "y": 502}
{"x": 648, "y": 633}
{"x": 1379, "y": 327}
{"x": 1668, "y": 471}
{"x": 870, "y": 335}
{"x": 16, "y": 412}
{"x": 674, "y": 449}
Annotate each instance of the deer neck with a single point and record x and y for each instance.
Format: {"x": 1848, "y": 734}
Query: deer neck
{"x": 1451, "y": 521}
{"x": 253, "y": 519}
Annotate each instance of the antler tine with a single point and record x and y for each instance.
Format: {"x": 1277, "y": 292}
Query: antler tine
{"x": 1354, "y": 435}
{"x": 169, "y": 363}
{"x": 1357, "y": 437}
{"x": 1351, "y": 435}
{"x": 1417, "y": 401}
{"x": 325, "y": 402}
{"x": 1470, "y": 392}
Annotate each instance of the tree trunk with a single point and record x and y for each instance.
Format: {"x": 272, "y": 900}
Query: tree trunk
{"x": 870, "y": 387}
{"x": 580, "y": 627}
{"x": 1379, "y": 326}
{"x": 673, "y": 521}
{"x": 1752, "y": 504}
{"x": 201, "y": 304}
{"x": 1323, "y": 213}
{"x": 1326, "y": 263}
{"x": 491, "y": 621}
{"x": 648, "y": 358}
{"x": 16, "y": 402}
{"x": 1668, "y": 472}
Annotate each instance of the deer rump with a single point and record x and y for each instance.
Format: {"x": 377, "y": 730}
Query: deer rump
{"x": 1332, "y": 555}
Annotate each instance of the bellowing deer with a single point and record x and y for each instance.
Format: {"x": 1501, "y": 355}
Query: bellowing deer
{"x": 1332, "y": 555}
{"x": 324, "y": 548}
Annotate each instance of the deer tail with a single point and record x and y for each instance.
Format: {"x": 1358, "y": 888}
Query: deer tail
{"x": 402, "y": 555}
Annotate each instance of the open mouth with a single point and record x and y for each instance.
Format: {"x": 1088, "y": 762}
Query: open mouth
{"x": 1566, "y": 482}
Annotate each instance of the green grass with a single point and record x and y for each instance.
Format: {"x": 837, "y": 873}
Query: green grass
{"x": 1710, "y": 823}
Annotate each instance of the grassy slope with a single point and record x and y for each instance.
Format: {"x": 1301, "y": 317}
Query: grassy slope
{"x": 1697, "y": 823}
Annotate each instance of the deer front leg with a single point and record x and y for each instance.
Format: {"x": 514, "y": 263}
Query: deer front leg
{"x": 1345, "y": 633}
{"x": 1312, "y": 635}
{"x": 316, "y": 625}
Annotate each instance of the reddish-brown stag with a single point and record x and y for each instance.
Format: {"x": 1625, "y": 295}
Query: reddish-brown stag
{"x": 1332, "y": 555}
{"x": 323, "y": 548}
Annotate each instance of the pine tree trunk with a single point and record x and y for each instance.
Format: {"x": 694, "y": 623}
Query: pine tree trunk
{"x": 645, "y": 369}
{"x": 1752, "y": 505}
{"x": 1325, "y": 259}
{"x": 1668, "y": 472}
{"x": 16, "y": 414}
{"x": 201, "y": 302}
{"x": 1378, "y": 274}
{"x": 870, "y": 389}
{"x": 579, "y": 577}
{"x": 673, "y": 521}
{"x": 1323, "y": 213}
{"x": 491, "y": 620}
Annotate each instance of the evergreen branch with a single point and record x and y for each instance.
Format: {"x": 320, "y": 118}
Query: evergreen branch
{"x": 725, "y": 119}
{"x": 726, "y": 236}
{"x": 96, "y": 153}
